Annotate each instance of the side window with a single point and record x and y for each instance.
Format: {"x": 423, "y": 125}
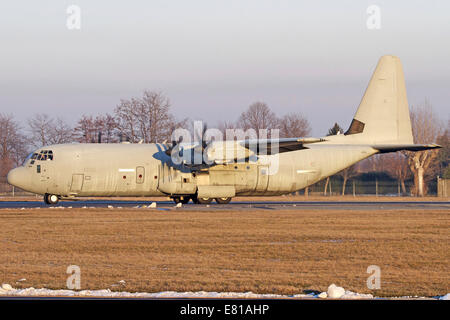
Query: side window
{"x": 38, "y": 168}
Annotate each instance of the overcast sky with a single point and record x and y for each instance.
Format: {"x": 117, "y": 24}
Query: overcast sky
{"x": 213, "y": 58}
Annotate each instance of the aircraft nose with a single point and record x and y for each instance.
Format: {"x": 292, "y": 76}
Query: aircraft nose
{"x": 18, "y": 177}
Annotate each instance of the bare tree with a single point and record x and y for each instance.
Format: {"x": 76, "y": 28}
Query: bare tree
{"x": 13, "y": 146}
{"x": 85, "y": 130}
{"x": 61, "y": 132}
{"x": 347, "y": 174}
{"x": 223, "y": 126}
{"x": 108, "y": 129}
{"x": 46, "y": 131}
{"x": 426, "y": 128}
{"x": 147, "y": 119}
{"x": 294, "y": 125}
{"x": 258, "y": 116}
{"x": 38, "y": 126}
{"x": 397, "y": 167}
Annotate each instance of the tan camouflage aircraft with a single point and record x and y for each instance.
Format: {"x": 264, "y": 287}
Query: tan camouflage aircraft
{"x": 248, "y": 167}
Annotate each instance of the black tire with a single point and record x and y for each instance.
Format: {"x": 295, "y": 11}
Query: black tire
{"x": 51, "y": 199}
{"x": 223, "y": 200}
{"x": 176, "y": 200}
{"x": 204, "y": 200}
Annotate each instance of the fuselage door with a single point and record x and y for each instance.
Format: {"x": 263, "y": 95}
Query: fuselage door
{"x": 140, "y": 175}
{"x": 77, "y": 182}
{"x": 263, "y": 178}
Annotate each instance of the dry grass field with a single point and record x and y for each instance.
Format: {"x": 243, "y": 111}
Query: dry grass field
{"x": 262, "y": 251}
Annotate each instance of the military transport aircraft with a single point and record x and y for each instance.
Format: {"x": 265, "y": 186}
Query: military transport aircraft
{"x": 381, "y": 124}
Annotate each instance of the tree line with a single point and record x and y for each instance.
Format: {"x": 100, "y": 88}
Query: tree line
{"x": 148, "y": 119}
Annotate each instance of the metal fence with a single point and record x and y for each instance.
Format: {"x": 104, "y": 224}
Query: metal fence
{"x": 358, "y": 187}
{"x": 370, "y": 184}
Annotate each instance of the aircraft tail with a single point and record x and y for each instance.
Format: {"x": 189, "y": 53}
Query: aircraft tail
{"x": 383, "y": 114}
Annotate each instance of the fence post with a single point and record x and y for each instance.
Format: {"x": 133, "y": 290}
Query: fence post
{"x": 13, "y": 191}
{"x": 438, "y": 189}
{"x": 376, "y": 187}
{"x": 354, "y": 193}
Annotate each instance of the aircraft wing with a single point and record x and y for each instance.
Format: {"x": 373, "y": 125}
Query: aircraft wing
{"x": 272, "y": 146}
{"x": 408, "y": 147}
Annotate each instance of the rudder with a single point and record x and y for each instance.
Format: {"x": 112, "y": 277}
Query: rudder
{"x": 383, "y": 114}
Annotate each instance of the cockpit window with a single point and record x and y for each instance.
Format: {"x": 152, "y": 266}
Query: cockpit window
{"x": 43, "y": 155}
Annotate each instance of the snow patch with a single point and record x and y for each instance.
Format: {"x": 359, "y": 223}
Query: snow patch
{"x": 333, "y": 292}
{"x": 7, "y": 290}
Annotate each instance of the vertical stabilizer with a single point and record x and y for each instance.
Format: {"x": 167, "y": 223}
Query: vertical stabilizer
{"x": 383, "y": 114}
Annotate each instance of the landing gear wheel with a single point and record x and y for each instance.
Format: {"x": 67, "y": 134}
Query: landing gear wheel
{"x": 204, "y": 200}
{"x": 223, "y": 200}
{"x": 51, "y": 198}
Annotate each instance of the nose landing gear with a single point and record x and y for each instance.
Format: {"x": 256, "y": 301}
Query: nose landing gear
{"x": 51, "y": 198}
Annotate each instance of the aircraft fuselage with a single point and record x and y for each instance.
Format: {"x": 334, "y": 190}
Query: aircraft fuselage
{"x": 146, "y": 170}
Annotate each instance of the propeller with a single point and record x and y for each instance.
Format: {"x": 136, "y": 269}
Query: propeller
{"x": 174, "y": 145}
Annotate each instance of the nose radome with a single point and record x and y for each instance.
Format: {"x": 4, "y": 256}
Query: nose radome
{"x": 18, "y": 178}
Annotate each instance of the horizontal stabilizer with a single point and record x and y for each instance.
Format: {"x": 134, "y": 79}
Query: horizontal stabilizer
{"x": 408, "y": 147}
{"x": 270, "y": 146}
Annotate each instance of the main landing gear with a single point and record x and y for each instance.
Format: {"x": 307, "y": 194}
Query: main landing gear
{"x": 223, "y": 200}
{"x": 51, "y": 198}
{"x": 197, "y": 200}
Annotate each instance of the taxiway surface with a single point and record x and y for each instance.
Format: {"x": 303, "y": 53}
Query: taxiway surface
{"x": 238, "y": 205}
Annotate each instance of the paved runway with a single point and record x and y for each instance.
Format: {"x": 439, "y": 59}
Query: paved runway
{"x": 238, "y": 205}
